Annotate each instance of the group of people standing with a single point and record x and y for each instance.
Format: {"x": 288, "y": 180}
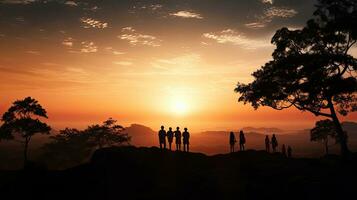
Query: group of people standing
{"x": 170, "y": 137}
{"x": 273, "y": 142}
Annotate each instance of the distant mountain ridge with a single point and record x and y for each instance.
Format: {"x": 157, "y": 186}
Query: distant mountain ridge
{"x": 214, "y": 142}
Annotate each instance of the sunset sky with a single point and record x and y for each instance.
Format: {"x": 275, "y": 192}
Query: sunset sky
{"x": 153, "y": 62}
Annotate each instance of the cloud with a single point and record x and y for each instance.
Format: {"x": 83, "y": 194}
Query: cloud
{"x": 269, "y": 14}
{"x": 18, "y": 1}
{"x": 186, "y": 14}
{"x": 68, "y": 42}
{"x": 135, "y": 38}
{"x": 37, "y": 53}
{"x": 256, "y": 25}
{"x": 268, "y": 1}
{"x": 88, "y": 47}
{"x": 71, "y": 3}
{"x": 123, "y": 63}
{"x": 280, "y": 12}
{"x": 92, "y": 23}
{"x": 230, "y": 36}
{"x": 113, "y": 51}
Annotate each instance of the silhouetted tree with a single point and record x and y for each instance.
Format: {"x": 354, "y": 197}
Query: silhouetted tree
{"x": 22, "y": 119}
{"x": 68, "y": 148}
{"x": 107, "y": 134}
{"x": 311, "y": 68}
{"x": 323, "y": 130}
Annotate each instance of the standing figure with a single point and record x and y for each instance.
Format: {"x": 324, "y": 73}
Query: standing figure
{"x": 241, "y": 140}
{"x": 274, "y": 143}
{"x": 232, "y": 141}
{"x": 170, "y": 137}
{"x": 289, "y": 152}
{"x": 267, "y": 143}
{"x": 162, "y": 138}
{"x": 283, "y": 150}
{"x": 186, "y": 140}
{"x": 178, "y": 139}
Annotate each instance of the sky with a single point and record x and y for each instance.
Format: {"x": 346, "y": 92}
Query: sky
{"x": 152, "y": 62}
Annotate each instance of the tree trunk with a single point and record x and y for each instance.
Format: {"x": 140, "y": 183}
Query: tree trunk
{"x": 342, "y": 137}
{"x": 27, "y": 140}
{"x": 326, "y": 146}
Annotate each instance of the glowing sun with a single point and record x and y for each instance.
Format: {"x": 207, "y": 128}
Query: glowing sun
{"x": 179, "y": 106}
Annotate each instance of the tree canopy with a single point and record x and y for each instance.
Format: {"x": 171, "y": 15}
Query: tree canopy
{"x": 22, "y": 120}
{"x": 323, "y": 130}
{"x": 311, "y": 69}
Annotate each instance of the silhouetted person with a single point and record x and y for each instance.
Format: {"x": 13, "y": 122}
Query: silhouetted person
{"x": 274, "y": 143}
{"x": 267, "y": 143}
{"x": 162, "y": 137}
{"x": 170, "y": 137}
{"x": 232, "y": 141}
{"x": 178, "y": 139}
{"x": 186, "y": 140}
{"x": 241, "y": 140}
{"x": 290, "y": 151}
{"x": 283, "y": 150}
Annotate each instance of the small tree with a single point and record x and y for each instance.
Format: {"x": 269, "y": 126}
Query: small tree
{"x": 22, "y": 119}
{"x": 68, "y": 148}
{"x": 323, "y": 130}
{"x": 312, "y": 69}
{"x": 107, "y": 134}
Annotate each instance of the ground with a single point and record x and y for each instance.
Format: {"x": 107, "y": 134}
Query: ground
{"x": 151, "y": 173}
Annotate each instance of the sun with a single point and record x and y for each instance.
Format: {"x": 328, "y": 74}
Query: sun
{"x": 179, "y": 107}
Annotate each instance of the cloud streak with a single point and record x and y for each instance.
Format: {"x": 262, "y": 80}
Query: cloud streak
{"x": 269, "y": 14}
{"x": 230, "y": 36}
{"x": 92, "y": 23}
{"x": 135, "y": 38}
{"x": 186, "y": 14}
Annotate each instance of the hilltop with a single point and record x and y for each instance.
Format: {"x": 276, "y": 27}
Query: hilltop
{"x": 151, "y": 173}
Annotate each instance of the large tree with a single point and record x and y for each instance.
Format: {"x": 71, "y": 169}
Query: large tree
{"x": 312, "y": 69}
{"x": 22, "y": 120}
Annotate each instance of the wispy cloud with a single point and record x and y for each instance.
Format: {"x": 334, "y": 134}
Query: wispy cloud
{"x": 92, "y": 23}
{"x": 123, "y": 63}
{"x": 88, "y": 47}
{"x": 186, "y": 14}
{"x": 33, "y": 52}
{"x": 271, "y": 13}
{"x": 113, "y": 51}
{"x": 68, "y": 42}
{"x": 267, "y": 1}
{"x": 71, "y": 3}
{"x": 280, "y": 12}
{"x": 18, "y": 1}
{"x": 230, "y": 36}
{"x": 135, "y": 38}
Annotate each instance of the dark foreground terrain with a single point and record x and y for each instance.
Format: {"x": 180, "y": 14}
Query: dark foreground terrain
{"x": 149, "y": 173}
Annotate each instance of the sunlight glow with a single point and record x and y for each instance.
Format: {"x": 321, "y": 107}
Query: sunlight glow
{"x": 179, "y": 107}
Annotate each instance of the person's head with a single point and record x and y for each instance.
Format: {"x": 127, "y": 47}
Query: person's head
{"x": 170, "y": 128}
{"x": 162, "y": 127}
{"x": 241, "y": 132}
{"x": 177, "y": 128}
{"x": 266, "y": 136}
{"x": 273, "y": 135}
{"x": 185, "y": 129}
{"x": 231, "y": 133}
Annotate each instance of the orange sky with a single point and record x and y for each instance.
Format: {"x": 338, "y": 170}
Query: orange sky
{"x": 148, "y": 62}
